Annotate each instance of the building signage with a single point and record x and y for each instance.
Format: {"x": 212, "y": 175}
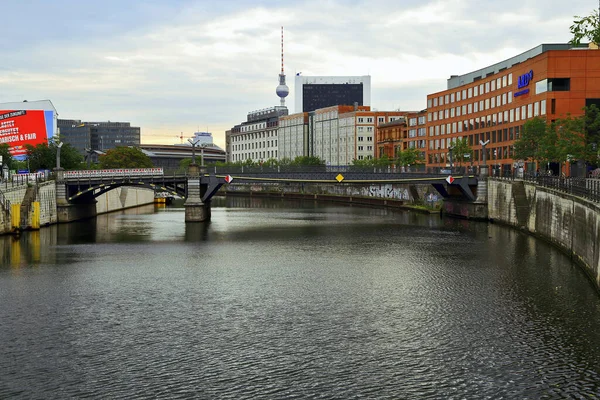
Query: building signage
{"x": 523, "y": 82}
{"x": 21, "y": 127}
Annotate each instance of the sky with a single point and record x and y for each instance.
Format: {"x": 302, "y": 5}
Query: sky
{"x": 173, "y": 67}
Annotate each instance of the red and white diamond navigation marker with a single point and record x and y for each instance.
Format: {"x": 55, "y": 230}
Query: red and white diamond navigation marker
{"x": 449, "y": 179}
{"x": 228, "y": 178}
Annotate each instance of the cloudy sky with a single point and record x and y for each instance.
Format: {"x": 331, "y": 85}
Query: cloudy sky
{"x": 172, "y": 66}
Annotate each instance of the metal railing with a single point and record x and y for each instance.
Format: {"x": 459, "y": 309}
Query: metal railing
{"x": 587, "y": 188}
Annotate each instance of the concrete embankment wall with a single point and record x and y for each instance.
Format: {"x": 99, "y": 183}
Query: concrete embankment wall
{"x": 45, "y": 195}
{"x": 569, "y": 222}
{"x": 122, "y": 198}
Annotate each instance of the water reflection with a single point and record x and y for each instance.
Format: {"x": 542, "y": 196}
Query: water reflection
{"x": 278, "y": 299}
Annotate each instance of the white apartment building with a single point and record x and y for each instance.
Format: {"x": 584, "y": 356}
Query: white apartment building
{"x": 256, "y": 139}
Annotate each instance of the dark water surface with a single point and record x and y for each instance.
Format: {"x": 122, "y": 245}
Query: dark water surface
{"x": 278, "y": 300}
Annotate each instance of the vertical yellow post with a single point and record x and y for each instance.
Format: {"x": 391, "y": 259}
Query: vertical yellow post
{"x": 15, "y": 216}
{"x": 35, "y": 215}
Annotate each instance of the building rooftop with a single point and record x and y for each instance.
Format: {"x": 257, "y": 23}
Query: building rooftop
{"x": 458, "y": 80}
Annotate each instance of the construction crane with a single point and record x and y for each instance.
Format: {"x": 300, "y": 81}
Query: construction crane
{"x": 180, "y": 138}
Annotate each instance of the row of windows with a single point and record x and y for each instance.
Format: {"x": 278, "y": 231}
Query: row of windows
{"x": 254, "y": 155}
{"x": 514, "y": 114}
{"x": 468, "y": 93}
{"x": 492, "y": 154}
{"x": 362, "y": 148}
{"x": 258, "y": 145}
{"x": 252, "y": 136}
{"x": 478, "y": 106}
{"x": 494, "y": 136}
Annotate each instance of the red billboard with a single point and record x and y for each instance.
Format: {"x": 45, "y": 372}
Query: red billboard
{"x": 21, "y": 127}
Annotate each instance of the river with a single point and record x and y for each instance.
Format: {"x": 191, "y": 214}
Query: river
{"x": 279, "y": 299}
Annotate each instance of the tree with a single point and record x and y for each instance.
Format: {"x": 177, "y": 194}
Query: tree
{"x": 586, "y": 28}
{"x": 6, "y": 156}
{"x": 528, "y": 145}
{"x": 125, "y": 157}
{"x": 43, "y": 156}
{"x": 410, "y": 156}
{"x": 460, "y": 148}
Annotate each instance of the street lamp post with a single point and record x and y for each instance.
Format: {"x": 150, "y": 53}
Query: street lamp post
{"x": 194, "y": 143}
{"x": 58, "y": 146}
{"x": 450, "y": 154}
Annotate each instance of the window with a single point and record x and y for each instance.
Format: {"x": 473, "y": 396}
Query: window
{"x": 504, "y": 81}
{"x": 541, "y": 86}
{"x": 452, "y": 112}
{"x": 559, "y": 84}
{"x": 361, "y": 120}
{"x": 451, "y": 97}
{"x": 435, "y": 103}
{"x": 441, "y": 100}
{"x": 429, "y": 103}
{"x": 446, "y": 113}
{"x": 510, "y": 97}
{"x": 529, "y": 110}
{"x": 475, "y": 107}
{"x": 543, "y": 107}
{"x": 503, "y": 98}
{"x": 457, "y": 96}
{"x": 464, "y": 94}
{"x": 536, "y": 109}
{"x": 470, "y": 93}
{"x": 487, "y": 87}
{"x": 487, "y": 104}
{"x": 469, "y": 108}
{"x": 493, "y": 100}
{"x": 412, "y": 122}
{"x": 421, "y": 120}
{"x": 517, "y": 114}
{"x": 441, "y": 114}
{"x": 493, "y": 83}
{"x": 476, "y": 91}
{"x": 370, "y": 120}
{"x": 446, "y": 99}
{"x": 510, "y": 78}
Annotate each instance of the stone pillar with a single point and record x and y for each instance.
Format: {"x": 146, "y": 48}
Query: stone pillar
{"x": 482, "y": 184}
{"x": 195, "y": 209}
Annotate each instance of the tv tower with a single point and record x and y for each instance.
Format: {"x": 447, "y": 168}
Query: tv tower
{"x": 282, "y": 90}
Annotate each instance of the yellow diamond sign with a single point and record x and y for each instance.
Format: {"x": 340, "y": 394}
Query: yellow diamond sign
{"x": 339, "y": 178}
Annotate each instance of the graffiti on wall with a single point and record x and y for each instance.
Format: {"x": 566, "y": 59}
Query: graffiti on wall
{"x": 388, "y": 192}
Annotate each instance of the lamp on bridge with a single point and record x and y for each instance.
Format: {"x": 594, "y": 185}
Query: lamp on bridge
{"x": 58, "y": 146}
{"x": 194, "y": 143}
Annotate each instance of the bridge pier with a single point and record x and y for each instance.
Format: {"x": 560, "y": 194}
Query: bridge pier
{"x": 195, "y": 209}
{"x": 470, "y": 209}
{"x": 69, "y": 212}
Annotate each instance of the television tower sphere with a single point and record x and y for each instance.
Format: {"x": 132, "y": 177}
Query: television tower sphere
{"x": 282, "y": 91}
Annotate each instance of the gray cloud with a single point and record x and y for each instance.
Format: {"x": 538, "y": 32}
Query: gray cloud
{"x": 172, "y": 66}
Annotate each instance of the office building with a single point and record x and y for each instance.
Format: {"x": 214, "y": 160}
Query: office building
{"x": 315, "y": 92}
{"x": 492, "y": 104}
{"x": 256, "y": 138}
{"x": 100, "y": 136}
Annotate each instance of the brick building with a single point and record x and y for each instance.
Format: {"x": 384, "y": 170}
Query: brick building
{"x": 493, "y": 103}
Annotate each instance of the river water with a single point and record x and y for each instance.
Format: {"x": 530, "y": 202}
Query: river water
{"x": 279, "y": 299}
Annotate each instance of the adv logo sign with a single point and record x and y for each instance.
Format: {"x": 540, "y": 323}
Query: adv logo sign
{"x": 525, "y": 79}
{"x": 523, "y": 82}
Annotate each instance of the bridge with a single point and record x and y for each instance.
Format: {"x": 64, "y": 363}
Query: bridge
{"x": 76, "y": 190}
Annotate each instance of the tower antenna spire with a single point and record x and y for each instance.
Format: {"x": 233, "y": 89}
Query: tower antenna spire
{"x": 282, "y": 90}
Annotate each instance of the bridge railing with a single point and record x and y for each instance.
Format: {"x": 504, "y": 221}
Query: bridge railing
{"x": 109, "y": 173}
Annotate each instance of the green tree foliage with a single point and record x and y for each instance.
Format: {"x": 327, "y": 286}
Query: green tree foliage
{"x": 528, "y": 145}
{"x": 6, "y": 156}
{"x": 125, "y": 157}
{"x": 306, "y": 160}
{"x": 461, "y": 151}
{"x": 410, "y": 156}
{"x": 43, "y": 156}
{"x": 586, "y": 28}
